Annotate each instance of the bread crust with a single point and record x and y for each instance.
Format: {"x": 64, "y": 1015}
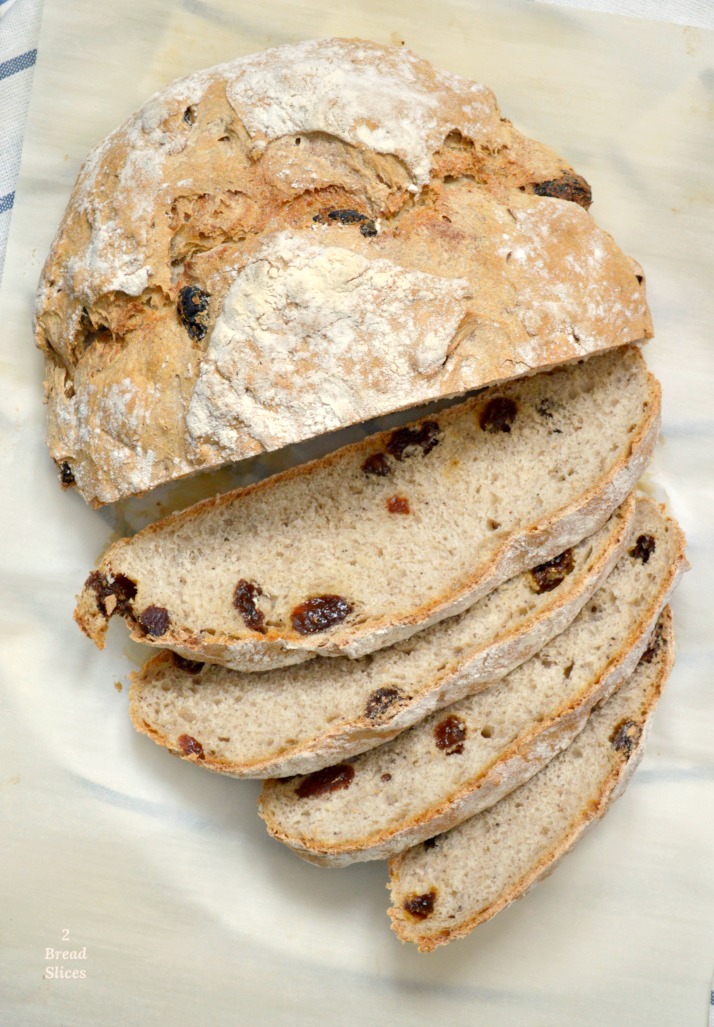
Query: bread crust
{"x": 460, "y": 255}
{"x": 610, "y": 789}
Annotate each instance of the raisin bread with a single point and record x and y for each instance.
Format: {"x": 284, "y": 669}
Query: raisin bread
{"x": 452, "y": 883}
{"x": 298, "y": 719}
{"x": 300, "y": 240}
{"x": 379, "y": 540}
{"x": 468, "y": 756}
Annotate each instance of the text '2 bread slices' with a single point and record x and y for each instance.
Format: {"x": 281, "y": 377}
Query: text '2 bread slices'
{"x": 295, "y": 720}
{"x": 379, "y": 540}
{"x": 469, "y": 755}
{"x": 450, "y": 884}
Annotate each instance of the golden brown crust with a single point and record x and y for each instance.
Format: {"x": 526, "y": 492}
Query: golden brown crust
{"x": 203, "y": 188}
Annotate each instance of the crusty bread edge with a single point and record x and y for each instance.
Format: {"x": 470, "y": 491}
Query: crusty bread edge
{"x": 610, "y": 790}
{"x": 478, "y": 670}
{"x": 518, "y": 764}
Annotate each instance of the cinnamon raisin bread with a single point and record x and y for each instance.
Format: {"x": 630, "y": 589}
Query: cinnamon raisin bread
{"x": 300, "y": 240}
{"x": 383, "y": 538}
{"x": 444, "y": 888}
{"x": 298, "y": 719}
{"x": 468, "y": 756}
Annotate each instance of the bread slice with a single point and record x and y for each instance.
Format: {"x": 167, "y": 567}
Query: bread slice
{"x": 469, "y": 755}
{"x": 298, "y": 719}
{"x": 300, "y": 240}
{"x": 379, "y": 540}
{"x": 444, "y": 888}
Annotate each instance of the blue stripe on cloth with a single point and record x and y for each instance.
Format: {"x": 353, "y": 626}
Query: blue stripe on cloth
{"x": 19, "y": 63}
{"x": 6, "y": 202}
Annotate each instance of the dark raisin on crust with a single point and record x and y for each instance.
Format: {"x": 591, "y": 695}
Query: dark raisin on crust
{"x": 653, "y": 647}
{"x": 368, "y": 229}
{"x": 625, "y": 737}
{"x": 189, "y": 115}
{"x": 381, "y": 700}
{"x": 425, "y": 437}
{"x": 450, "y": 735}
{"x": 192, "y": 310}
{"x": 498, "y": 414}
{"x": 188, "y": 666}
{"x": 322, "y": 782}
{"x": 378, "y": 465}
{"x": 567, "y": 187}
{"x": 318, "y": 613}
{"x": 643, "y": 548}
{"x": 547, "y": 576}
{"x": 191, "y": 747}
{"x": 66, "y": 476}
{"x": 121, "y": 588}
{"x": 421, "y": 906}
{"x": 244, "y": 597}
{"x": 347, "y": 217}
{"x": 398, "y": 505}
{"x": 155, "y": 621}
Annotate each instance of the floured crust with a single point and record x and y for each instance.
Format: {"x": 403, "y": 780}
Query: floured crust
{"x": 624, "y": 760}
{"x": 540, "y": 540}
{"x": 523, "y": 757}
{"x": 244, "y": 708}
{"x": 469, "y": 260}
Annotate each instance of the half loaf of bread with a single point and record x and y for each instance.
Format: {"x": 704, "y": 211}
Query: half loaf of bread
{"x": 300, "y": 240}
{"x": 452, "y": 883}
{"x": 383, "y": 538}
{"x": 468, "y": 756}
{"x": 295, "y": 720}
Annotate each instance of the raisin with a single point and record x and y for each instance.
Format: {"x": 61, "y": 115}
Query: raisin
{"x": 378, "y": 465}
{"x": 547, "y": 576}
{"x": 368, "y": 228}
{"x": 347, "y": 217}
{"x": 66, "y": 476}
{"x": 385, "y": 777}
{"x": 398, "y": 505}
{"x": 544, "y": 409}
{"x": 322, "y": 782}
{"x": 421, "y": 906}
{"x": 155, "y": 621}
{"x": 450, "y": 735}
{"x": 189, "y": 115}
{"x": 381, "y": 700}
{"x": 319, "y": 613}
{"x": 643, "y": 548}
{"x": 192, "y": 310}
{"x": 430, "y": 843}
{"x": 625, "y": 737}
{"x": 244, "y": 598}
{"x": 498, "y": 414}
{"x": 425, "y": 437}
{"x": 567, "y": 187}
{"x": 189, "y": 666}
{"x": 653, "y": 647}
{"x": 191, "y": 747}
{"x": 122, "y": 589}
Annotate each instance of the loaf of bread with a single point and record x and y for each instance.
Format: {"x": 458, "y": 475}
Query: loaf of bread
{"x": 298, "y": 719}
{"x": 466, "y": 757}
{"x": 383, "y": 538}
{"x": 444, "y": 888}
{"x": 300, "y": 240}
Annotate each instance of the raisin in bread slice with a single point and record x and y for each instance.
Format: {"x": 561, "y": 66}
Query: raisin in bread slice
{"x": 296, "y": 720}
{"x": 468, "y": 756}
{"x": 452, "y": 883}
{"x": 380, "y": 539}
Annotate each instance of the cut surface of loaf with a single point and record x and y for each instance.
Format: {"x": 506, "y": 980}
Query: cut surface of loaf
{"x": 467, "y": 756}
{"x": 442, "y": 889}
{"x": 380, "y": 539}
{"x": 298, "y": 719}
{"x": 300, "y": 240}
